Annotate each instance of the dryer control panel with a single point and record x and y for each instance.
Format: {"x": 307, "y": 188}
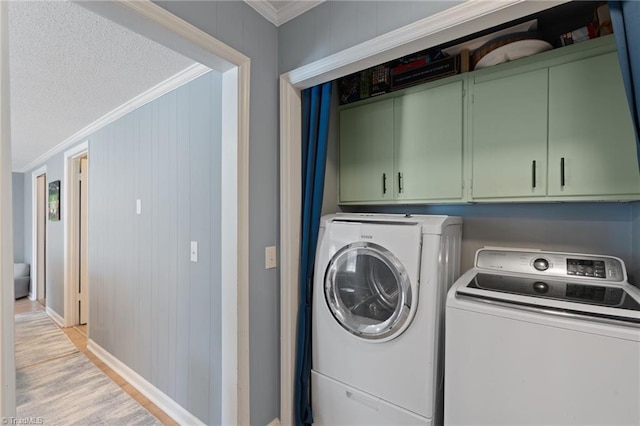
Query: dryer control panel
{"x": 545, "y": 263}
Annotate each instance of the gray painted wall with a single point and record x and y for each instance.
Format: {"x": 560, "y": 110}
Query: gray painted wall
{"x": 336, "y": 25}
{"x": 17, "y": 186}
{"x": 238, "y": 25}
{"x": 599, "y": 228}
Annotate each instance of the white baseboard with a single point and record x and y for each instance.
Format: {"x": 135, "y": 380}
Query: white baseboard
{"x": 54, "y": 316}
{"x": 274, "y": 422}
{"x": 155, "y": 395}
{"x": 32, "y": 296}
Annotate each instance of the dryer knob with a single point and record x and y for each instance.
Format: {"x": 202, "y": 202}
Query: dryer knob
{"x": 540, "y": 287}
{"x": 541, "y": 264}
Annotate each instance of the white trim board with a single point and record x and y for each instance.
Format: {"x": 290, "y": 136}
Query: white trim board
{"x": 155, "y": 395}
{"x": 157, "y": 24}
{"x": 70, "y": 203}
{"x": 55, "y": 317}
{"x": 7, "y": 289}
{"x": 274, "y": 422}
{"x": 453, "y": 23}
{"x": 34, "y": 226}
{"x": 172, "y": 83}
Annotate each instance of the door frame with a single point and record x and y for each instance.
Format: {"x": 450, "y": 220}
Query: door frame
{"x": 453, "y": 23}
{"x": 70, "y": 218}
{"x": 7, "y": 290}
{"x": 34, "y": 230}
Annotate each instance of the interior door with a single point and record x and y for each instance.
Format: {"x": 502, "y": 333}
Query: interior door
{"x": 368, "y": 291}
{"x": 84, "y": 216}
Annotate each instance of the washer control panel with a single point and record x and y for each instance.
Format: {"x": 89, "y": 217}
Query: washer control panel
{"x": 587, "y": 268}
{"x": 596, "y": 267}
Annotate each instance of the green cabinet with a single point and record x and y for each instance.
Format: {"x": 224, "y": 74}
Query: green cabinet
{"x": 509, "y": 136}
{"x": 591, "y": 136}
{"x": 366, "y": 152}
{"x": 427, "y": 155}
{"x": 550, "y": 127}
{"x": 554, "y": 130}
{"x": 403, "y": 148}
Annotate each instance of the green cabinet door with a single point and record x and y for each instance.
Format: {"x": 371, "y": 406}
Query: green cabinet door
{"x": 509, "y": 136}
{"x": 427, "y": 129}
{"x": 366, "y": 152}
{"x": 592, "y": 148}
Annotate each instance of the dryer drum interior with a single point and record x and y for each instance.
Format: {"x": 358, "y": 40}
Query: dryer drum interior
{"x": 367, "y": 290}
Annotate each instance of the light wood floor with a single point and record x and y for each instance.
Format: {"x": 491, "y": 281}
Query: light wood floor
{"x": 78, "y": 335}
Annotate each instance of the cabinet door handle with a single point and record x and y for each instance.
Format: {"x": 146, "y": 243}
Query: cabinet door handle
{"x": 533, "y": 173}
{"x": 562, "y": 171}
{"x": 400, "y": 190}
{"x": 384, "y": 183}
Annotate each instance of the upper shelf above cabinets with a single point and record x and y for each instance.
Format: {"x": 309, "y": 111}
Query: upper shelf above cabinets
{"x": 555, "y": 127}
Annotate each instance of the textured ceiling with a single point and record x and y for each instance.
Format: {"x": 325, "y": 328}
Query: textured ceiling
{"x": 69, "y": 67}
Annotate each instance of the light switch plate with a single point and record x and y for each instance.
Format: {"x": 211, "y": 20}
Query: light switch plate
{"x": 138, "y": 206}
{"x": 270, "y": 257}
{"x": 194, "y": 251}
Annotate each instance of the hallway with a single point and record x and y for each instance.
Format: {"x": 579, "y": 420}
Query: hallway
{"x": 77, "y": 336}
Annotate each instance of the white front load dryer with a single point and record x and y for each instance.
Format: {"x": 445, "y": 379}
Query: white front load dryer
{"x": 378, "y": 305}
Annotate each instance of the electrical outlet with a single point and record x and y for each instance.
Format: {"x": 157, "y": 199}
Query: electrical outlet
{"x": 270, "y": 257}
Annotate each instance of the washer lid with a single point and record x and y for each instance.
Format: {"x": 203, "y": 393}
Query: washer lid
{"x": 369, "y": 292}
{"x": 619, "y": 302}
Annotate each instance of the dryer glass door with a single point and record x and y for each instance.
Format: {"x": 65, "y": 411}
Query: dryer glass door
{"x": 368, "y": 291}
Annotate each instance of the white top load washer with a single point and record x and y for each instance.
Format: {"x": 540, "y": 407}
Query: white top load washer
{"x": 378, "y": 301}
{"x": 542, "y": 338}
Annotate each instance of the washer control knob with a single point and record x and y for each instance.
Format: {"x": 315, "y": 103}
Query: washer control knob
{"x": 541, "y": 264}
{"x": 540, "y": 287}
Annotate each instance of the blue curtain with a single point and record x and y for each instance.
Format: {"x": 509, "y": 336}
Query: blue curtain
{"x": 316, "y": 104}
{"x": 625, "y": 17}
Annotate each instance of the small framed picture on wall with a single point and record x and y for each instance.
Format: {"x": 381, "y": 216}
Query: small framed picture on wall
{"x": 54, "y": 200}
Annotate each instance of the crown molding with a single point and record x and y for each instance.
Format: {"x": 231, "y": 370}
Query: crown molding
{"x": 172, "y": 83}
{"x": 265, "y": 9}
{"x": 296, "y": 8}
{"x": 279, "y": 16}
